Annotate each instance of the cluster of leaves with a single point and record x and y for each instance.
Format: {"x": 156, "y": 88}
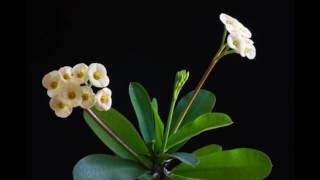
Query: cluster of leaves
{"x": 208, "y": 162}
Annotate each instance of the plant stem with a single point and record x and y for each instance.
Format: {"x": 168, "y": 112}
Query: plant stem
{"x": 221, "y": 52}
{"x": 197, "y": 90}
{"x": 223, "y": 36}
{"x": 168, "y": 126}
{"x": 229, "y": 52}
{"x": 115, "y": 137}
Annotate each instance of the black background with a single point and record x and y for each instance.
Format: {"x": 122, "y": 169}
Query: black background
{"x": 148, "y": 43}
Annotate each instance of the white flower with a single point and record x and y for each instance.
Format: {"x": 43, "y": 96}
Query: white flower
{"x": 59, "y": 106}
{"x": 52, "y": 82}
{"x": 97, "y": 74}
{"x": 71, "y": 94}
{"x": 79, "y": 73}
{"x": 249, "y": 50}
{"x": 236, "y": 42}
{"x": 242, "y": 45}
{"x": 233, "y": 26}
{"x": 103, "y": 99}
{"x": 66, "y": 73}
{"x": 88, "y": 97}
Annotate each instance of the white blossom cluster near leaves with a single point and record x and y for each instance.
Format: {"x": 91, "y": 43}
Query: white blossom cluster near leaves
{"x": 71, "y": 87}
{"x": 239, "y": 37}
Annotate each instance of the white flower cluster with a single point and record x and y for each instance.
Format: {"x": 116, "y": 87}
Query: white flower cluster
{"x": 239, "y": 37}
{"x": 70, "y": 87}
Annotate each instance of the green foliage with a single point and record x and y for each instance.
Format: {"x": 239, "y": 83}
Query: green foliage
{"x": 235, "y": 164}
{"x": 159, "y": 127}
{"x": 208, "y": 162}
{"x": 202, "y": 104}
{"x": 202, "y": 123}
{"x": 140, "y": 100}
{"x": 106, "y": 167}
{"x": 186, "y": 158}
{"x": 122, "y": 127}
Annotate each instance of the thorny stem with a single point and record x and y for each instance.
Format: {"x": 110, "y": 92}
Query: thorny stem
{"x": 115, "y": 137}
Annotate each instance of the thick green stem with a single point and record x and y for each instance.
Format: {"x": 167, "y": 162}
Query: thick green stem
{"x": 168, "y": 126}
{"x": 115, "y": 137}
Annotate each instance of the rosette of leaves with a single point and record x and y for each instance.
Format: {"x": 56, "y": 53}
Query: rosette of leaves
{"x": 152, "y": 151}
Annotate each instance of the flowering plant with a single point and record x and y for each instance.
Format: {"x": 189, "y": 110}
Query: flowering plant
{"x": 148, "y": 157}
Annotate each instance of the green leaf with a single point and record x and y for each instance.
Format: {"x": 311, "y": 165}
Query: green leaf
{"x": 207, "y": 150}
{"x": 154, "y": 104}
{"x": 202, "y": 123}
{"x": 203, "y": 103}
{"x": 186, "y": 158}
{"x": 177, "y": 177}
{"x": 141, "y": 104}
{"x": 177, "y": 147}
{"x": 158, "y": 125}
{"x": 236, "y": 164}
{"x": 145, "y": 176}
{"x": 105, "y": 167}
{"x": 122, "y": 127}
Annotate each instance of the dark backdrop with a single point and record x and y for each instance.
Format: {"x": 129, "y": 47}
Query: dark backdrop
{"x": 149, "y": 43}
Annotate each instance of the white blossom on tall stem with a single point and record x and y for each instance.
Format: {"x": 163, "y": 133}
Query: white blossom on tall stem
{"x": 88, "y": 97}
{"x": 97, "y": 74}
{"x": 233, "y": 26}
{"x": 249, "y": 50}
{"x": 242, "y": 46}
{"x": 239, "y": 37}
{"x": 79, "y": 73}
{"x": 60, "y": 107}
{"x": 53, "y": 83}
{"x": 103, "y": 99}
{"x": 235, "y": 42}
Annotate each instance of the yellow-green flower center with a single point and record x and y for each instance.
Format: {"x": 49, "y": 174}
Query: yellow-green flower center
{"x": 236, "y": 43}
{"x": 80, "y": 74}
{"x": 61, "y": 105}
{"x": 104, "y": 99}
{"x": 54, "y": 84}
{"x": 229, "y": 21}
{"x": 97, "y": 75}
{"x": 85, "y": 96}
{"x": 71, "y": 95}
{"x": 246, "y": 50}
{"x": 66, "y": 76}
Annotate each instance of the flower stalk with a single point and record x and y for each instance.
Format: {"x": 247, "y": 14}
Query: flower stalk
{"x": 221, "y": 52}
{"x": 181, "y": 78}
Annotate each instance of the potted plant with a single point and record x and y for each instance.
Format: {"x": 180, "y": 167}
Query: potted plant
{"x": 146, "y": 155}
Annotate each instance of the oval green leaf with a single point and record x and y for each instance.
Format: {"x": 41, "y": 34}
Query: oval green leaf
{"x": 202, "y": 123}
{"x": 106, "y": 167}
{"x": 236, "y": 164}
{"x": 141, "y": 103}
{"x": 122, "y": 127}
{"x": 203, "y": 103}
{"x": 145, "y": 176}
{"x": 158, "y": 126}
{"x": 186, "y": 158}
{"x": 209, "y": 149}
{"x": 177, "y": 177}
